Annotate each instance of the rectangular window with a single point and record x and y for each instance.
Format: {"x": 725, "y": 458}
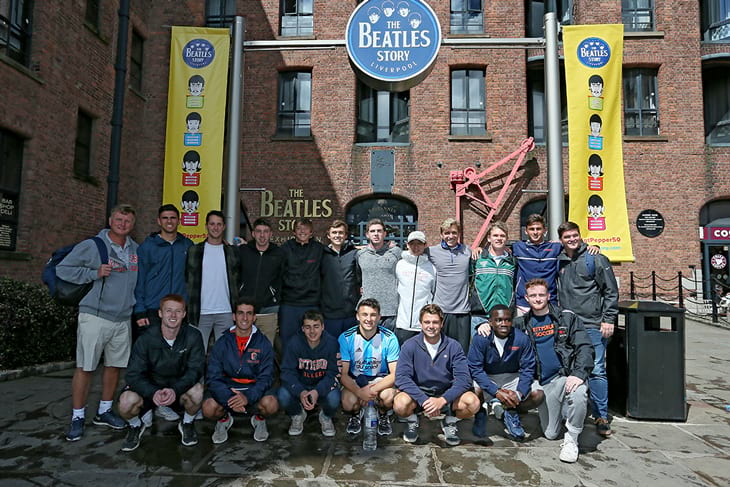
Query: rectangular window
{"x": 136, "y": 57}
{"x": 467, "y": 17}
{"x": 535, "y": 11}
{"x": 382, "y": 116}
{"x": 536, "y": 105}
{"x": 715, "y": 20}
{"x": 92, "y": 13}
{"x": 11, "y": 165}
{"x": 641, "y": 113}
{"x": 15, "y": 29}
{"x": 294, "y": 116}
{"x": 638, "y": 15}
{"x": 82, "y": 152}
{"x": 297, "y": 18}
{"x": 716, "y": 88}
{"x": 468, "y": 102}
{"x": 219, "y": 13}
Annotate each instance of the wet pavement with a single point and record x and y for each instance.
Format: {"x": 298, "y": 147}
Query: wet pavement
{"x": 35, "y": 411}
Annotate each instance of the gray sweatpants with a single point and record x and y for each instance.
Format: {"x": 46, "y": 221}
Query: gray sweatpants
{"x": 551, "y": 410}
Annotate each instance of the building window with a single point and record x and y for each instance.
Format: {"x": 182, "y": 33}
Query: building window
{"x": 15, "y": 28}
{"x": 382, "y": 116}
{"x": 715, "y": 20}
{"x": 468, "y": 102}
{"x": 297, "y": 18}
{"x": 82, "y": 151}
{"x": 136, "y": 58}
{"x": 400, "y": 217}
{"x": 11, "y": 165}
{"x": 219, "y": 13}
{"x": 92, "y": 13}
{"x": 467, "y": 17}
{"x": 536, "y": 104}
{"x": 535, "y": 10}
{"x": 716, "y": 90}
{"x": 294, "y": 116}
{"x": 638, "y": 15}
{"x": 641, "y": 113}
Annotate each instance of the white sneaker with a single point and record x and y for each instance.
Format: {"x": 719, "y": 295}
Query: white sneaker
{"x": 297, "y": 423}
{"x": 147, "y": 419}
{"x": 260, "y": 432}
{"x": 166, "y": 413}
{"x": 328, "y": 427}
{"x": 568, "y": 450}
{"x": 220, "y": 435}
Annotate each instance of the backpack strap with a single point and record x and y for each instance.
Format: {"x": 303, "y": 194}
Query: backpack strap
{"x": 591, "y": 264}
{"x": 103, "y": 254}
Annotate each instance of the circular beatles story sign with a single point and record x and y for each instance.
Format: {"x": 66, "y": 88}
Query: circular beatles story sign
{"x": 392, "y": 44}
{"x": 650, "y": 223}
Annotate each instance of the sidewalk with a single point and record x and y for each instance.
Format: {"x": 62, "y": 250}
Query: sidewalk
{"x": 36, "y": 409}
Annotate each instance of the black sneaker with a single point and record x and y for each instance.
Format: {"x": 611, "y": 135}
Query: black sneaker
{"x": 134, "y": 437}
{"x": 603, "y": 428}
{"x": 76, "y": 430}
{"x": 384, "y": 426}
{"x": 110, "y": 419}
{"x": 188, "y": 435}
{"x": 411, "y": 432}
{"x": 354, "y": 425}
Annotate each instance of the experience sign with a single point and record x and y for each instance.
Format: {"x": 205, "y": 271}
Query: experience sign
{"x": 393, "y": 44}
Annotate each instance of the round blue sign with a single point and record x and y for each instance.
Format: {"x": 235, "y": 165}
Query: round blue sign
{"x": 393, "y": 41}
{"x": 198, "y": 53}
{"x": 594, "y": 52}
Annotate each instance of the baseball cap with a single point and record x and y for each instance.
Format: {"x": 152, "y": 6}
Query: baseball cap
{"x": 417, "y": 235}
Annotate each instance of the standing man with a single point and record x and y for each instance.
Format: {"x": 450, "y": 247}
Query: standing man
{"x": 564, "y": 361}
{"x": 340, "y": 281}
{"x": 587, "y": 286}
{"x": 433, "y": 376}
{"x": 211, "y": 275}
{"x": 165, "y": 370}
{"x": 104, "y": 315}
{"x": 452, "y": 259}
{"x": 377, "y": 263}
{"x": 416, "y": 285}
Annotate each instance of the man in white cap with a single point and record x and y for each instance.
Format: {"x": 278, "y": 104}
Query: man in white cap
{"x": 416, "y": 285}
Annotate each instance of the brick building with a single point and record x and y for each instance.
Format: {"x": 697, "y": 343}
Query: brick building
{"x": 315, "y": 140}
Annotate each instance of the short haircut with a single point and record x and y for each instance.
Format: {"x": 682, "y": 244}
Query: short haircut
{"x": 313, "y": 315}
{"x": 262, "y": 222}
{"x": 193, "y": 116}
{"x": 497, "y": 224}
{"x": 124, "y": 209}
{"x": 173, "y": 297}
{"x": 595, "y": 200}
{"x": 565, "y": 226}
{"x": 303, "y": 221}
{"x": 595, "y": 119}
{"x": 247, "y": 300}
{"x": 371, "y": 302}
{"x": 500, "y": 307}
{"x": 217, "y": 213}
{"x": 448, "y": 223}
{"x": 196, "y": 78}
{"x": 432, "y": 309}
{"x": 535, "y": 218}
{"x": 338, "y": 224}
{"x": 595, "y": 79}
{"x": 168, "y": 207}
{"x": 536, "y": 282}
{"x": 374, "y": 221}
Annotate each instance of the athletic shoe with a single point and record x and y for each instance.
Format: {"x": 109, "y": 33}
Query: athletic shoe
{"x": 514, "y": 426}
{"x": 189, "y": 436}
{"x": 220, "y": 435}
{"x": 166, "y": 413}
{"x": 260, "y": 432}
{"x": 384, "y": 426}
{"x": 410, "y": 434}
{"x": 354, "y": 425}
{"x": 297, "y": 423}
{"x": 134, "y": 437}
{"x": 76, "y": 430}
{"x": 602, "y": 427}
{"x": 328, "y": 427}
{"x": 451, "y": 433}
{"x": 110, "y": 419}
{"x": 498, "y": 410}
{"x": 568, "y": 450}
{"x": 479, "y": 429}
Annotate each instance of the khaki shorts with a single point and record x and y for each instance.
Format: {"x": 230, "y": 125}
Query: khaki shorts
{"x": 96, "y": 335}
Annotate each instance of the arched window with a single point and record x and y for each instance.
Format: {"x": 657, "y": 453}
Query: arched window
{"x": 399, "y": 215}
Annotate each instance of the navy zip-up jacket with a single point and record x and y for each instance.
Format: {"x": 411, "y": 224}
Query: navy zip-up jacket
{"x": 306, "y": 368}
{"x": 518, "y": 356}
{"x": 446, "y": 376}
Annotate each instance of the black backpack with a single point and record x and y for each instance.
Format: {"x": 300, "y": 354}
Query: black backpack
{"x": 65, "y": 292}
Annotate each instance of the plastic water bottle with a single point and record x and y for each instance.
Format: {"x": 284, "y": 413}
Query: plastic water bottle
{"x": 370, "y": 431}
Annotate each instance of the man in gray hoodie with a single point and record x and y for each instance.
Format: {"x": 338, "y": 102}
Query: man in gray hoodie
{"x": 104, "y": 315}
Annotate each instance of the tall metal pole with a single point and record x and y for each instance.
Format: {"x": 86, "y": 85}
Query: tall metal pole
{"x": 232, "y": 207}
{"x": 554, "y": 136}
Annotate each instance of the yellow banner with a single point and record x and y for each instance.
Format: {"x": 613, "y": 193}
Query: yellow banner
{"x": 196, "y": 108}
{"x": 593, "y": 57}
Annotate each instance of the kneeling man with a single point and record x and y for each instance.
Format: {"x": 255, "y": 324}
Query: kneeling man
{"x": 165, "y": 369}
{"x": 433, "y": 376}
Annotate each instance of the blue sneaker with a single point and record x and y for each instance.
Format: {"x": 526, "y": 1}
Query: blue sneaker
{"x": 110, "y": 419}
{"x": 479, "y": 429}
{"x": 76, "y": 430}
{"x": 512, "y": 423}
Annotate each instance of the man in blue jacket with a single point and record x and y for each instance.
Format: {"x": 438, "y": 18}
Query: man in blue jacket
{"x": 240, "y": 375}
{"x": 309, "y": 376}
{"x": 433, "y": 377}
{"x": 503, "y": 366}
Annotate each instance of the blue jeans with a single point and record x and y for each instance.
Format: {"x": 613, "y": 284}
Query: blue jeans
{"x": 330, "y": 403}
{"x": 598, "y": 381}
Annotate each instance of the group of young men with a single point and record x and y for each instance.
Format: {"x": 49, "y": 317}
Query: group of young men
{"x": 425, "y": 330}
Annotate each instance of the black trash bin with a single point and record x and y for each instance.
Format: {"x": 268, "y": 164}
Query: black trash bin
{"x": 645, "y": 361}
